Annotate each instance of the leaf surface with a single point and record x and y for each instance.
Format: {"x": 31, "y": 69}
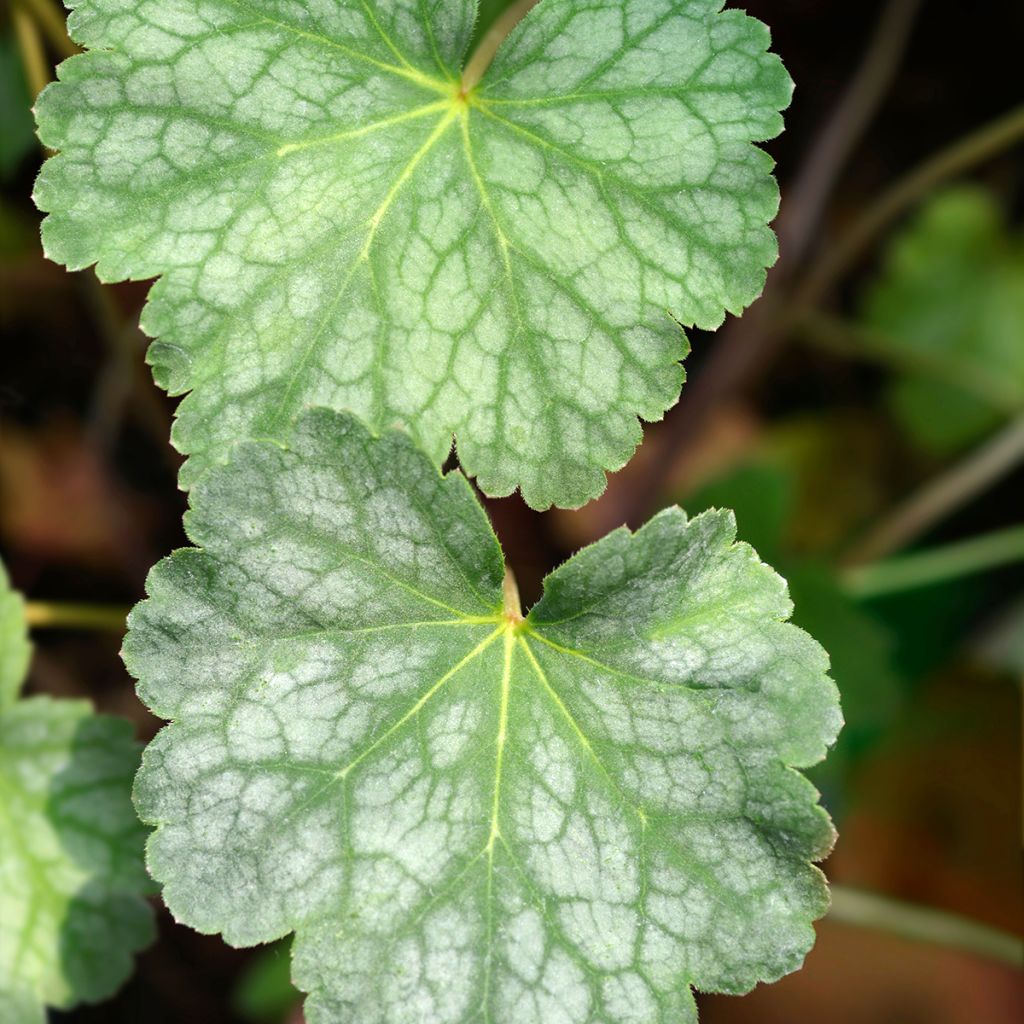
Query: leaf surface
{"x": 951, "y": 300}
{"x": 335, "y": 224}
{"x": 71, "y": 871}
{"x": 14, "y": 646}
{"x": 462, "y": 815}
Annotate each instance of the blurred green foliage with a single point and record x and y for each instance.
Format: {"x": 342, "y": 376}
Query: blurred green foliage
{"x": 264, "y": 994}
{"x": 951, "y": 297}
{"x": 17, "y": 131}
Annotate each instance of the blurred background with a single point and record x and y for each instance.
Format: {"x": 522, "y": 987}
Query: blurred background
{"x": 865, "y": 419}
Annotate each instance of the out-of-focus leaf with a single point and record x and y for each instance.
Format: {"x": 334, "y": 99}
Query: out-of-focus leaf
{"x": 17, "y": 132}
{"x": 952, "y": 292}
{"x": 265, "y": 992}
{"x": 840, "y": 461}
{"x": 71, "y": 870}
{"x": 862, "y": 652}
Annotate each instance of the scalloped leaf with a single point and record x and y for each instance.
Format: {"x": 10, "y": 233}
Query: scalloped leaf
{"x": 71, "y": 870}
{"x": 336, "y": 224}
{"x": 465, "y": 815}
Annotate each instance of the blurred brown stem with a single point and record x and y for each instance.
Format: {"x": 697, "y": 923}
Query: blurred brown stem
{"x": 820, "y": 171}
{"x": 124, "y": 377}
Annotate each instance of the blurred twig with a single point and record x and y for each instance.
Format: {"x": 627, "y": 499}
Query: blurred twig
{"x": 820, "y": 171}
{"x": 951, "y": 561}
{"x": 30, "y": 44}
{"x": 123, "y": 378}
{"x": 60, "y": 615}
{"x": 943, "y": 495}
{"x": 924, "y": 924}
{"x": 51, "y": 21}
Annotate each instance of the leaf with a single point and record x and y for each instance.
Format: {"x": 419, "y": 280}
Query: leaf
{"x": 14, "y": 646}
{"x": 17, "y": 138}
{"x": 461, "y": 814}
{"x": 763, "y": 494}
{"x": 336, "y": 224}
{"x": 71, "y": 871}
{"x": 951, "y": 297}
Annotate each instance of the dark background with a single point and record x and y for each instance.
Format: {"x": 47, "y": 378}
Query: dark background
{"x": 925, "y": 783}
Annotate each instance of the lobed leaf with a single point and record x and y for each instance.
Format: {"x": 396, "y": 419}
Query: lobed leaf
{"x": 462, "y": 814}
{"x": 336, "y": 221}
{"x": 71, "y": 871}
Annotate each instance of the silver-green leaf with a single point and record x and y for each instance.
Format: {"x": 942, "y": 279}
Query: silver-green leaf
{"x": 72, "y": 878}
{"x": 465, "y": 815}
{"x": 337, "y": 222}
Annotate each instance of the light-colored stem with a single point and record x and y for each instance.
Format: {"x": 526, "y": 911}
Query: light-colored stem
{"x": 964, "y": 558}
{"x": 941, "y": 496}
{"x": 51, "y": 20}
{"x": 64, "y": 615}
{"x": 33, "y": 58}
{"x": 924, "y": 924}
{"x": 510, "y": 598}
{"x": 482, "y": 56}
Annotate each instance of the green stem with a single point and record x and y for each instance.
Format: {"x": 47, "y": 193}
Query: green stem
{"x": 952, "y": 489}
{"x": 482, "y": 56}
{"x": 925, "y": 924}
{"x": 964, "y": 558}
{"x": 833, "y": 334}
{"x": 65, "y": 615}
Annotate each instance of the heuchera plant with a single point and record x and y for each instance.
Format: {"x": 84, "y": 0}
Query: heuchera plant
{"x": 340, "y": 217}
{"x": 368, "y": 245}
